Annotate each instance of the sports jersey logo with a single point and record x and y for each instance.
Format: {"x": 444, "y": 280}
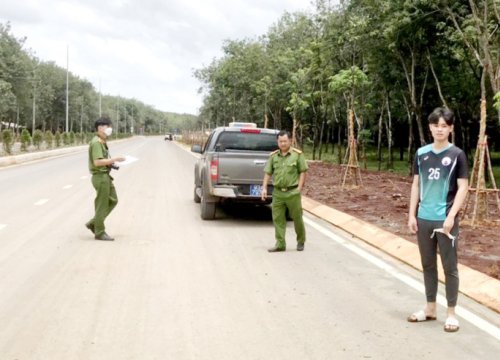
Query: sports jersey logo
{"x": 446, "y": 161}
{"x": 425, "y": 158}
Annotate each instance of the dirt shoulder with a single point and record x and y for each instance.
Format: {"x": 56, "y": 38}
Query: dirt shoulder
{"x": 383, "y": 201}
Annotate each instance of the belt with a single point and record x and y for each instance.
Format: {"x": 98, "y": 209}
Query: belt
{"x": 285, "y": 189}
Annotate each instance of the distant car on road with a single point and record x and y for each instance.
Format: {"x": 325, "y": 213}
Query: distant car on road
{"x": 231, "y": 166}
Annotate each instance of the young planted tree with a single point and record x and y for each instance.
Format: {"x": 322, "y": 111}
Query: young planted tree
{"x": 347, "y": 83}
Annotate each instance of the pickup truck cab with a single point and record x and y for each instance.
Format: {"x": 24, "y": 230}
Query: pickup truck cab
{"x": 231, "y": 166}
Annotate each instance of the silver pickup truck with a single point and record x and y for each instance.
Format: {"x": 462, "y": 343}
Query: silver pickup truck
{"x": 231, "y": 166}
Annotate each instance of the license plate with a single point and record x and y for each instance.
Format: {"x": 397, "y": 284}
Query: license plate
{"x": 255, "y": 190}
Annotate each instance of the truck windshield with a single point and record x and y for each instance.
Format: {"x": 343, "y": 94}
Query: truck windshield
{"x": 246, "y": 141}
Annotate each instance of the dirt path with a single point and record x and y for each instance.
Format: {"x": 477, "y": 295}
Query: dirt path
{"x": 383, "y": 200}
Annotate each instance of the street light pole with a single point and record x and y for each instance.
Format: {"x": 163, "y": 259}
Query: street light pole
{"x": 67, "y": 87}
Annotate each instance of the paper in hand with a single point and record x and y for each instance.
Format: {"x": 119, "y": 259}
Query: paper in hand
{"x": 128, "y": 160}
{"x": 440, "y": 230}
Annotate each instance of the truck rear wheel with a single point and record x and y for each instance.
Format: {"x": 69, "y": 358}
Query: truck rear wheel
{"x": 196, "y": 198}
{"x": 207, "y": 210}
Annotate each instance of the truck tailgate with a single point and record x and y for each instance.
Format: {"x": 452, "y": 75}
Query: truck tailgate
{"x": 241, "y": 167}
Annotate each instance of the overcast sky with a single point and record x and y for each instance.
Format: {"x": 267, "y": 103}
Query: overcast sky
{"x": 143, "y": 49}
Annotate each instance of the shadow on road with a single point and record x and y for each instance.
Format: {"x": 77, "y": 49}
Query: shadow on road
{"x": 250, "y": 212}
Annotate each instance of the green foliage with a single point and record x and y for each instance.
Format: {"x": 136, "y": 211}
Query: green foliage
{"x": 57, "y": 138}
{"x": 497, "y": 101}
{"x": 71, "y": 140}
{"x": 37, "y": 138}
{"x": 25, "y": 140}
{"x": 49, "y": 139}
{"x": 7, "y": 140}
{"x": 66, "y": 139}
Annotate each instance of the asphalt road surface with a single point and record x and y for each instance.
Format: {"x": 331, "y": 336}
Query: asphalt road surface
{"x": 173, "y": 286}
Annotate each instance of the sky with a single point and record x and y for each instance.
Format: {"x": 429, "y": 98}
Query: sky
{"x": 142, "y": 49}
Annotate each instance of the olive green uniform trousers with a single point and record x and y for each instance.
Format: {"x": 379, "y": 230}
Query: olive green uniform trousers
{"x": 105, "y": 200}
{"x": 291, "y": 200}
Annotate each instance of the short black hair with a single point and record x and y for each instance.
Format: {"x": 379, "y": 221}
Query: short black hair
{"x": 283, "y": 133}
{"x": 102, "y": 121}
{"x": 442, "y": 112}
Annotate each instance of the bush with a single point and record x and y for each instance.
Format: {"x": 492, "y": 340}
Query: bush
{"x": 65, "y": 138}
{"x": 71, "y": 138}
{"x": 25, "y": 140}
{"x": 7, "y": 140}
{"x": 58, "y": 138}
{"x": 49, "y": 139}
{"x": 37, "y": 138}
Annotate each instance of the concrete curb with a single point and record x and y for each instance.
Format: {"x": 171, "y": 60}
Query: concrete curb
{"x": 38, "y": 155}
{"x": 22, "y": 158}
{"x": 476, "y": 285}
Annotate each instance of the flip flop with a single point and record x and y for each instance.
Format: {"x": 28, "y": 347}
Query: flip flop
{"x": 451, "y": 324}
{"x": 420, "y": 316}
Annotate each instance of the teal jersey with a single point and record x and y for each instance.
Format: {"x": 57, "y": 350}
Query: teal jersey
{"x": 438, "y": 174}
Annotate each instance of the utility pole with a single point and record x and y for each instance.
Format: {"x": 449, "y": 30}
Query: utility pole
{"x": 81, "y": 117}
{"x": 67, "y": 87}
{"x": 117, "y": 116}
{"x": 100, "y": 103}
{"x": 34, "y": 111}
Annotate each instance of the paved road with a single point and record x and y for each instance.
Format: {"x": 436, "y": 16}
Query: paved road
{"x": 175, "y": 287}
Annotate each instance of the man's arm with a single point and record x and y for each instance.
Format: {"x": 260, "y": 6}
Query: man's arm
{"x": 463, "y": 188}
{"x": 414, "y": 199}
{"x": 302, "y": 180}
{"x": 263, "y": 194}
{"x": 107, "y": 162}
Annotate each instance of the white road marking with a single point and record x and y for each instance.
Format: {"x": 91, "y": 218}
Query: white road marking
{"x": 2, "y": 226}
{"x": 41, "y": 202}
{"x": 467, "y": 315}
{"x": 68, "y": 187}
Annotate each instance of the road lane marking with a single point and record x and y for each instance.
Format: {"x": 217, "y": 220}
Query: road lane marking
{"x": 41, "y": 202}
{"x": 417, "y": 285}
{"x": 2, "y": 226}
{"x": 67, "y": 187}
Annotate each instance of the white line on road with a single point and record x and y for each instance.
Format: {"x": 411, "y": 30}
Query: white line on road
{"x": 2, "y": 226}
{"x": 467, "y": 315}
{"x": 67, "y": 187}
{"x": 41, "y": 202}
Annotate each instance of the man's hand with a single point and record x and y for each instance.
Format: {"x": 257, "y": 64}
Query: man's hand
{"x": 448, "y": 224}
{"x": 119, "y": 159}
{"x": 412, "y": 224}
{"x": 263, "y": 193}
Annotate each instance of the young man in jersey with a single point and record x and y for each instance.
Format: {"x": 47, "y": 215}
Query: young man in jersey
{"x": 438, "y": 191}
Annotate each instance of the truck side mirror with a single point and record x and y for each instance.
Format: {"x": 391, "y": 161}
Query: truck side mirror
{"x": 196, "y": 149}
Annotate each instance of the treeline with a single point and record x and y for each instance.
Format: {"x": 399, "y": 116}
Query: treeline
{"x": 391, "y": 61}
{"x": 33, "y": 97}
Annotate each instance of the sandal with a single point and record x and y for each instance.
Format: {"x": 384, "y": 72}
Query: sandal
{"x": 420, "y": 316}
{"x": 451, "y": 324}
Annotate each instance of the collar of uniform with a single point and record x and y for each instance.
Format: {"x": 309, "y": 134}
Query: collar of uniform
{"x": 289, "y": 152}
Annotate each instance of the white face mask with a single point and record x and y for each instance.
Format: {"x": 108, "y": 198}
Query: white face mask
{"x": 108, "y": 131}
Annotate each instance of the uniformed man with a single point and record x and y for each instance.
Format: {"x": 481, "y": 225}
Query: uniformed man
{"x": 288, "y": 167}
{"x": 100, "y": 165}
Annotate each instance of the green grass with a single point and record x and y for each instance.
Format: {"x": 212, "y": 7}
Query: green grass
{"x": 400, "y": 167}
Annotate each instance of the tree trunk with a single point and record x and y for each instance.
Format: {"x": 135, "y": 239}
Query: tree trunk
{"x": 379, "y": 142}
{"x": 388, "y": 125}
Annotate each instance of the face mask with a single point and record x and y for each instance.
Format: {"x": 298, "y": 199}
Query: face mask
{"x": 108, "y": 131}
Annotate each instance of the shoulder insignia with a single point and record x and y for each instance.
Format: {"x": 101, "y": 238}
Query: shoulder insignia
{"x": 274, "y": 152}
{"x": 297, "y": 150}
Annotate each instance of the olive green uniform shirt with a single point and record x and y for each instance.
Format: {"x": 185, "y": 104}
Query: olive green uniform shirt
{"x": 98, "y": 149}
{"x": 286, "y": 169}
